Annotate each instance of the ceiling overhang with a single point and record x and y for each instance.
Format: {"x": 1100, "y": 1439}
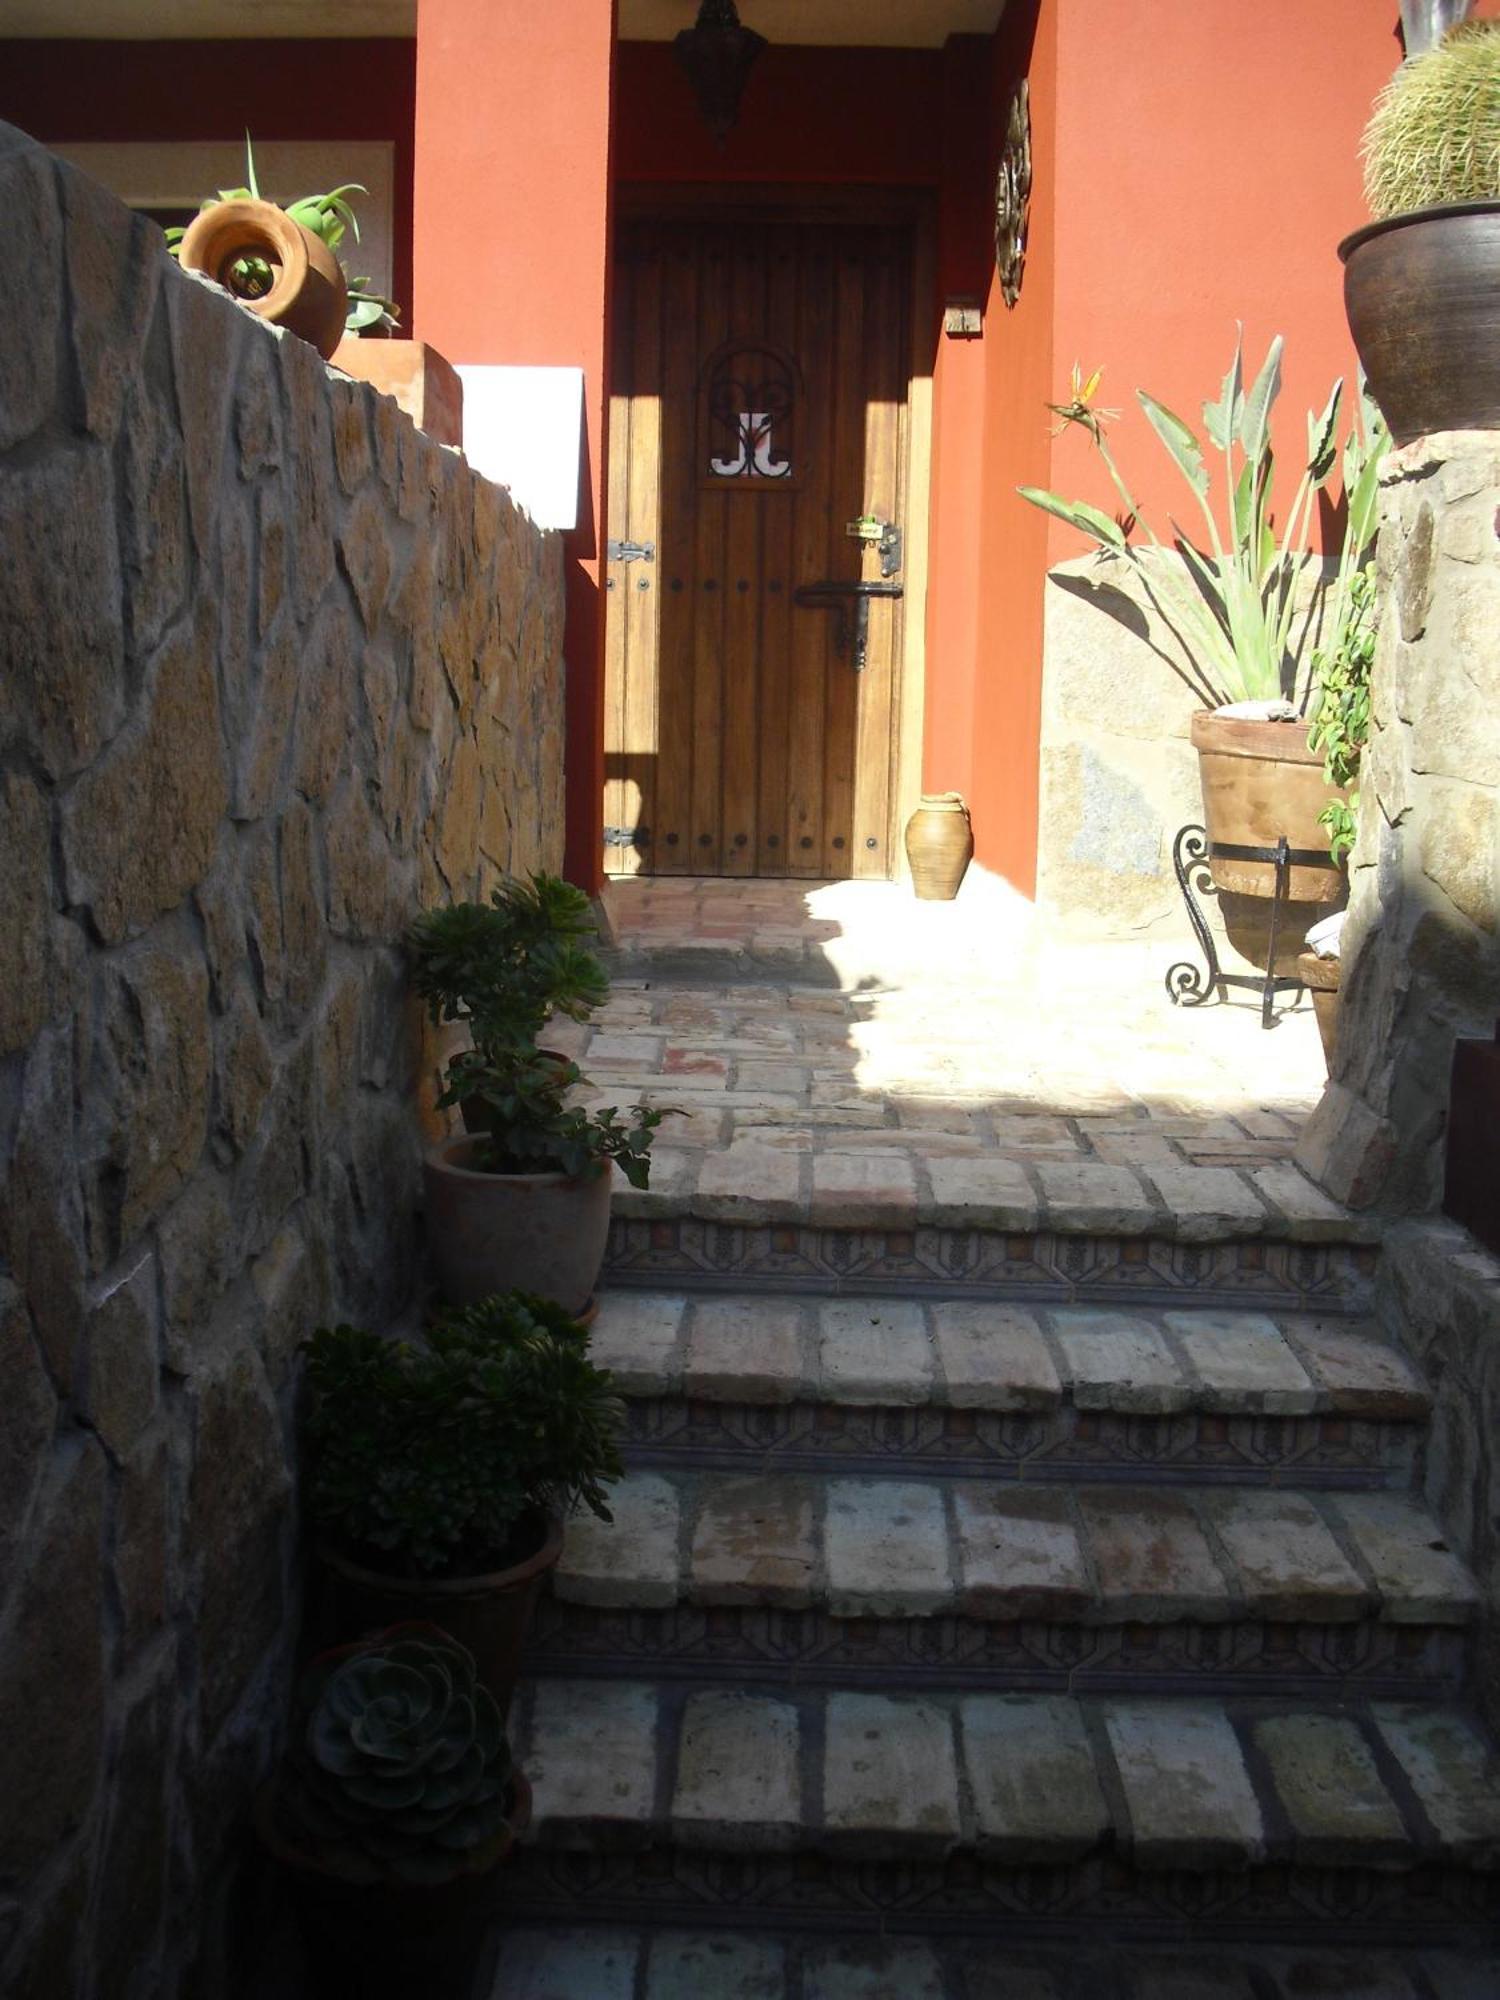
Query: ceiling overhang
{"x": 825, "y": 23}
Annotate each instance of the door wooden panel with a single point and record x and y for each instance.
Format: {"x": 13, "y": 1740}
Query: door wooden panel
{"x": 739, "y": 738}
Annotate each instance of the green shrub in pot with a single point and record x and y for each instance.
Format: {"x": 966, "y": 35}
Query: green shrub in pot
{"x": 441, "y": 1472}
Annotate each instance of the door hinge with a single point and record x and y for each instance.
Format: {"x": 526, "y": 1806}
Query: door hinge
{"x": 626, "y": 836}
{"x": 631, "y": 551}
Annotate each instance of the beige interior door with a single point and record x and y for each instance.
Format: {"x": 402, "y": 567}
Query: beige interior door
{"x": 759, "y": 405}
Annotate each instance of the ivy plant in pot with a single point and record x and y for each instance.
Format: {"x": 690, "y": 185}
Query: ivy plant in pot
{"x": 441, "y": 1472}
{"x": 1242, "y": 606}
{"x": 392, "y": 1811}
{"x": 521, "y": 1199}
{"x": 1422, "y": 280}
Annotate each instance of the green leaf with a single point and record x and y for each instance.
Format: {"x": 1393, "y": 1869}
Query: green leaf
{"x": 1255, "y": 420}
{"x": 1078, "y": 514}
{"x": 1322, "y": 434}
{"x": 1179, "y": 440}
{"x": 1222, "y": 419}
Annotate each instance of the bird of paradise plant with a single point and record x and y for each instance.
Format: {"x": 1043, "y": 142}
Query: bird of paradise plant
{"x": 1231, "y": 595}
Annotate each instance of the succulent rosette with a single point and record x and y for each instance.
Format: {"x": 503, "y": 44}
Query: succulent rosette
{"x": 398, "y": 1765}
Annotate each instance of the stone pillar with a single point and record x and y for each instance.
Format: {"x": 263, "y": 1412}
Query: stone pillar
{"x": 510, "y": 264}
{"x": 1421, "y": 964}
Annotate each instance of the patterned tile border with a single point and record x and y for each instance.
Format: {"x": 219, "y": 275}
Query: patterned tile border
{"x": 1039, "y": 1266}
{"x": 690, "y": 1888}
{"x": 1065, "y": 1444}
{"x": 738, "y": 1643}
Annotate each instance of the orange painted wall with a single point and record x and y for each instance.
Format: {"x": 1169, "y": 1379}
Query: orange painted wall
{"x": 1193, "y": 166}
{"x": 1208, "y": 167}
{"x": 511, "y": 264}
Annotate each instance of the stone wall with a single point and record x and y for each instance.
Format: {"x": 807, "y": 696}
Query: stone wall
{"x": 1438, "y": 1293}
{"x": 1421, "y": 960}
{"x": 275, "y": 671}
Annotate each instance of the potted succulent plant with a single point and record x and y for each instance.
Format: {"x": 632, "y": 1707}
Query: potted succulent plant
{"x": 441, "y": 1472}
{"x": 281, "y": 262}
{"x": 1238, "y": 601}
{"x": 392, "y": 1811}
{"x": 1422, "y": 281}
{"x": 520, "y": 1201}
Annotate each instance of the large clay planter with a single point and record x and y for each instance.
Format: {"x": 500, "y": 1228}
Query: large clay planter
{"x": 1422, "y": 292}
{"x": 308, "y": 294}
{"x": 939, "y": 846}
{"x": 542, "y": 1233}
{"x": 1260, "y": 782}
{"x": 489, "y": 1614}
{"x": 415, "y": 375}
{"x": 1321, "y": 978}
{"x": 391, "y": 1940}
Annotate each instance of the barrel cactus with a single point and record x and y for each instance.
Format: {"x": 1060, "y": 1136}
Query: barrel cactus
{"x": 1435, "y": 133}
{"x": 398, "y": 1767}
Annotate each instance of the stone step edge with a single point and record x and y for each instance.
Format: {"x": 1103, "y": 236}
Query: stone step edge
{"x": 605, "y": 1962}
{"x": 746, "y": 1190}
{"x": 1018, "y": 1780}
{"x": 1003, "y": 1357}
{"x": 904, "y": 1548}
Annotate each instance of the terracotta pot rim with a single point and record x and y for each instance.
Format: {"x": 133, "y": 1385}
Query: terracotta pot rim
{"x": 1411, "y": 217}
{"x": 276, "y": 1843}
{"x": 440, "y": 1161}
{"x": 1242, "y": 736}
{"x": 486, "y": 1583}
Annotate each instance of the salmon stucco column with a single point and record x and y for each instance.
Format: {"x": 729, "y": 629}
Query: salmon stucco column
{"x": 510, "y": 266}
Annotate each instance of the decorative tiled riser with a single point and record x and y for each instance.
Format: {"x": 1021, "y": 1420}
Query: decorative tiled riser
{"x": 1042, "y": 1267}
{"x": 1063, "y": 1445}
{"x": 741, "y": 1643}
{"x": 692, "y": 1888}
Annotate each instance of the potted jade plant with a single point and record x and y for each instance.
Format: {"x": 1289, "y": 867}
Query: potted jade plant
{"x": 1241, "y": 605}
{"x": 1422, "y": 281}
{"x": 282, "y": 262}
{"x": 520, "y": 1200}
{"x": 441, "y": 1472}
{"x": 392, "y": 1811}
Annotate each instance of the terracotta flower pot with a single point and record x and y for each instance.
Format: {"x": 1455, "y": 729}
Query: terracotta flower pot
{"x": 307, "y": 293}
{"x": 490, "y": 1614}
{"x": 391, "y": 1940}
{"x": 939, "y": 846}
{"x": 1260, "y": 782}
{"x": 542, "y": 1233}
{"x": 416, "y": 376}
{"x": 1422, "y": 294}
{"x": 1321, "y": 978}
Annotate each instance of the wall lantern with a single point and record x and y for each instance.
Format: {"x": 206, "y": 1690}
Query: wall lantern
{"x": 718, "y": 54}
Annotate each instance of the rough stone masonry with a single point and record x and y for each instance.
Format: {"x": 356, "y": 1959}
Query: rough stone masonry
{"x": 275, "y": 671}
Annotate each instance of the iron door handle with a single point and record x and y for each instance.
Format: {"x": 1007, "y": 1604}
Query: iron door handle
{"x": 834, "y": 596}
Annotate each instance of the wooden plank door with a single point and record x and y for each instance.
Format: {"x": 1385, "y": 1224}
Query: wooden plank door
{"x": 759, "y": 404}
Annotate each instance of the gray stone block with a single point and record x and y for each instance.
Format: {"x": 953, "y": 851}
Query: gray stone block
{"x": 874, "y": 1351}
{"x": 885, "y": 1543}
{"x": 709, "y": 1966}
{"x": 553, "y": 1965}
{"x": 1119, "y": 1361}
{"x": 1031, "y": 1777}
{"x": 754, "y": 1542}
{"x": 739, "y": 1784}
{"x": 1287, "y": 1565}
{"x": 890, "y": 1777}
{"x": 1188, "y": 1794}
{"x": 590, "y": 1750}
{"x": 633, "y": 1559}
{"x": 1243, "y": 1362}
{"x": 1419, "y": 1578}
{"x": 1019, "y": 1554}
{"x": 993, "y": 1357}
{"x": 1325, "y": 1777}
{"x": 872, "y": 1972}
{"x": 636, "y": 1337}
{"x": 746, "y": 1350}
{"x": 1454, "y": 1773}
{"x": 1151, "y": 1558}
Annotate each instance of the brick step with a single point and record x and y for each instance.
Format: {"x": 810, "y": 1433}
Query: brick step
{"x": 894, "y": 1581}
{"x": 1371, "y": 1824}
{"x": 658, "y": 1243}
{"x": 589, "y": 1963}
{"x": 958, "y": 1386}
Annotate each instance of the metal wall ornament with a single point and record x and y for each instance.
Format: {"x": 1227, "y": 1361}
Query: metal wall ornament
{"x": 1013, "y": 194}
{"x": 751, "y": 404}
